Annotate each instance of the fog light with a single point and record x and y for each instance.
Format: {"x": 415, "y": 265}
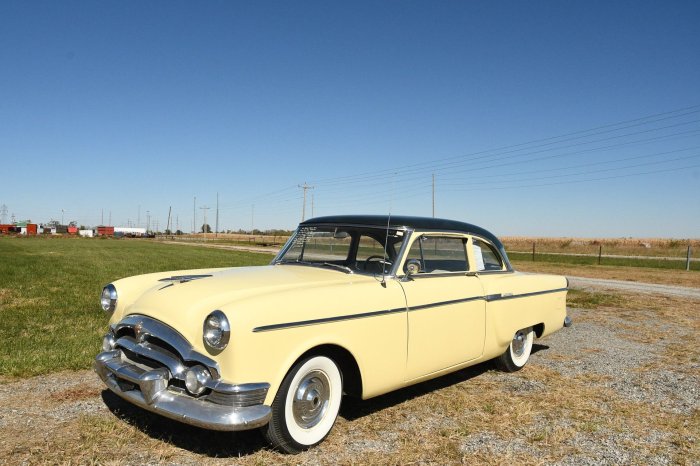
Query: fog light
{"x": 196, "y": 379}
{"x": 109, "y": 342}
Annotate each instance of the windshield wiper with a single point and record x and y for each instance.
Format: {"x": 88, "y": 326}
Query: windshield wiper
{"x": 344, "y": 268}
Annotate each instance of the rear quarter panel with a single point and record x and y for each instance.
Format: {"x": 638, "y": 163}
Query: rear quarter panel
{"x": 517, "y": 300}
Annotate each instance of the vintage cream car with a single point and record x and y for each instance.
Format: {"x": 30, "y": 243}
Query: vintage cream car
{"x": 356, "y": 305}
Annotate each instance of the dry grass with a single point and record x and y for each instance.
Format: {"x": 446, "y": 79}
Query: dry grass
{"x": 622, "y": 246}
{"x": 636, "y": 274}
{"x": 536, "y": 416}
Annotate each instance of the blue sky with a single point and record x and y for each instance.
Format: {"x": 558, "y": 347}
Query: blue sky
{"x": 132, "y": 106}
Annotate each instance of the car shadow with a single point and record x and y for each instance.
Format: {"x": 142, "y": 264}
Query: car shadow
{"x": 197, "y": 440}
{"x": 536, "y": 348}
{"x": 244, "y": 443}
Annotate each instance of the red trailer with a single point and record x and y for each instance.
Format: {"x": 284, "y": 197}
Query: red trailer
{"x": 105, "y": 231}
{"x": 32, "y": 228}
{"x": 72, "y": 230}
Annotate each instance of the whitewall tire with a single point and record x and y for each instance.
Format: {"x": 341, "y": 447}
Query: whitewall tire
{"x": 306, "y": 405}
{"x": 518, "y": 352}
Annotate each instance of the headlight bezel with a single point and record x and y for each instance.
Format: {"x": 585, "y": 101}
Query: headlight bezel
{"x": 108, "y": 298}
{"x": 213, "y": 344}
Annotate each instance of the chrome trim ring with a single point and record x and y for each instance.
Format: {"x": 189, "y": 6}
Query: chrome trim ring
{"x": 225, "y": 328}
{"x": 311, "y": 399}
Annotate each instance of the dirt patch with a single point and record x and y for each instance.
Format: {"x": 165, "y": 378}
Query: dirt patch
{"x": 620, "y": 386}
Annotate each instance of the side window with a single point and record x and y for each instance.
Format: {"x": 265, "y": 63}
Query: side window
{"x": 369, "y": 247}
{"x": 439, "y": 254}
{"x": 323, "y": 247}
{"x": 485, "y": 256}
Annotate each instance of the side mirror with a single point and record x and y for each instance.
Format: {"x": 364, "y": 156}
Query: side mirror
{"x": 412, "y": 267}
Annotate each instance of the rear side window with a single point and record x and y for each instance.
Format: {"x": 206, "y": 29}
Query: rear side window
{"x": 439, "y": 254}
{"x": 486, "y": 256}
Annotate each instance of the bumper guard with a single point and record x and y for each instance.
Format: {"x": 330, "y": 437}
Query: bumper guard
{"x": 149, "y": 390}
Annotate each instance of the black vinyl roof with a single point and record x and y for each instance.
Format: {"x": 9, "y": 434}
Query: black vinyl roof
{"x": 398, "y": 221}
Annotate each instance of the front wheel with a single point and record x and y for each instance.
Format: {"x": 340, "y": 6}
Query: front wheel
{"x": 518, "y": 352}
{"x": 306, "y": 405}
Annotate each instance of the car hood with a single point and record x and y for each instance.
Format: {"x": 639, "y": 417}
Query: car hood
{"x": 183, "y": 301}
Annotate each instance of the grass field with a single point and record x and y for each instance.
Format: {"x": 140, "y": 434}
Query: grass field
{"x": 50, "y": 318}
{"x": 565, "y": 406}
{"x": 49, "y": 291}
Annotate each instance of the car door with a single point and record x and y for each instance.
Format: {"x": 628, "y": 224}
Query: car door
{"x": 446, "y": 309}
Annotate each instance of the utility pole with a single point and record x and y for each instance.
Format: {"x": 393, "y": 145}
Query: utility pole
{"x": 216, "y": 230}
{"x": 170, "y": 209}
{"x": 148, "y": 221}
{"x": 204, "y": 225}
{"x": 303, "y": 207}
{"x": 194, "y": 216}
{"x": 102, "y": 217}
{"x": 62, "y": 212}
{"x": 433, "y": 195}
{"x": 3, "y": 214}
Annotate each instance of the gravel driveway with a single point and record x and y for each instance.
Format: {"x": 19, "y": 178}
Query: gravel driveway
{"x": 636, "y": 287}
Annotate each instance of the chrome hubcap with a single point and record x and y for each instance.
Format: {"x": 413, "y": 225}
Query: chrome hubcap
{"x": 518, "y": 343}
{"x": 311, "y": 398}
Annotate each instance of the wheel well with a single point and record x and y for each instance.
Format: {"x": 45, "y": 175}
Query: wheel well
{"x": 539, "y": 329}
{"x": 352, "y": 379}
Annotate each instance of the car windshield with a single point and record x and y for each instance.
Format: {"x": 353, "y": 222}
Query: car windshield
{"x": 348, "y": 249}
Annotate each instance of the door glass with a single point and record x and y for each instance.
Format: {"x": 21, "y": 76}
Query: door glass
{"x": 439, "y": 254}
{"x": 486, "y": 256}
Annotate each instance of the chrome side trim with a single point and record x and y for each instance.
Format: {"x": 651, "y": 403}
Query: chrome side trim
{"x": 445, "y": 303}
{"x": 488, "y": 298}
{"x": 304, "y": 323}
{"x": 143, "y": 326}
{"x": 497, "y": 297}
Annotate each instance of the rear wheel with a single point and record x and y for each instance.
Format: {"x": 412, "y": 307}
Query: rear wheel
{"x": 306, "y": 405}
{"x": 518, "y": 352}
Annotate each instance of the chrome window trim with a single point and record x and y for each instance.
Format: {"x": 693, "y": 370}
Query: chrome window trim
{"x": 399, "y": 255}
{"x": 506, "y": 266}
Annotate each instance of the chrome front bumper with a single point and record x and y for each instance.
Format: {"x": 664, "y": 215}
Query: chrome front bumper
{"x": 149, "y": 389}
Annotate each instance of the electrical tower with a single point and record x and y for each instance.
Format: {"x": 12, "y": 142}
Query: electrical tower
{"x": 303, "y": 207}
{"x": 3, "y": 214}
{"x": 204, "y": 225}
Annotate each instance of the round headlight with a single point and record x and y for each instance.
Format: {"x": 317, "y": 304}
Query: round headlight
{"x": 196, "y": 379}
{"x": 108, "y": 299}
{"x": 216, "y": 331}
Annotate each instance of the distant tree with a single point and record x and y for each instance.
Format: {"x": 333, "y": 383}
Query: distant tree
{"x": 73, "y": 223}
{"x": 168, "y": 232}
{"x": 206, "y": 228}
{"x": 178, "y": 232}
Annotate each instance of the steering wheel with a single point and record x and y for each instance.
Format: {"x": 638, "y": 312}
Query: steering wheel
{"x": 379, "y": 260}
